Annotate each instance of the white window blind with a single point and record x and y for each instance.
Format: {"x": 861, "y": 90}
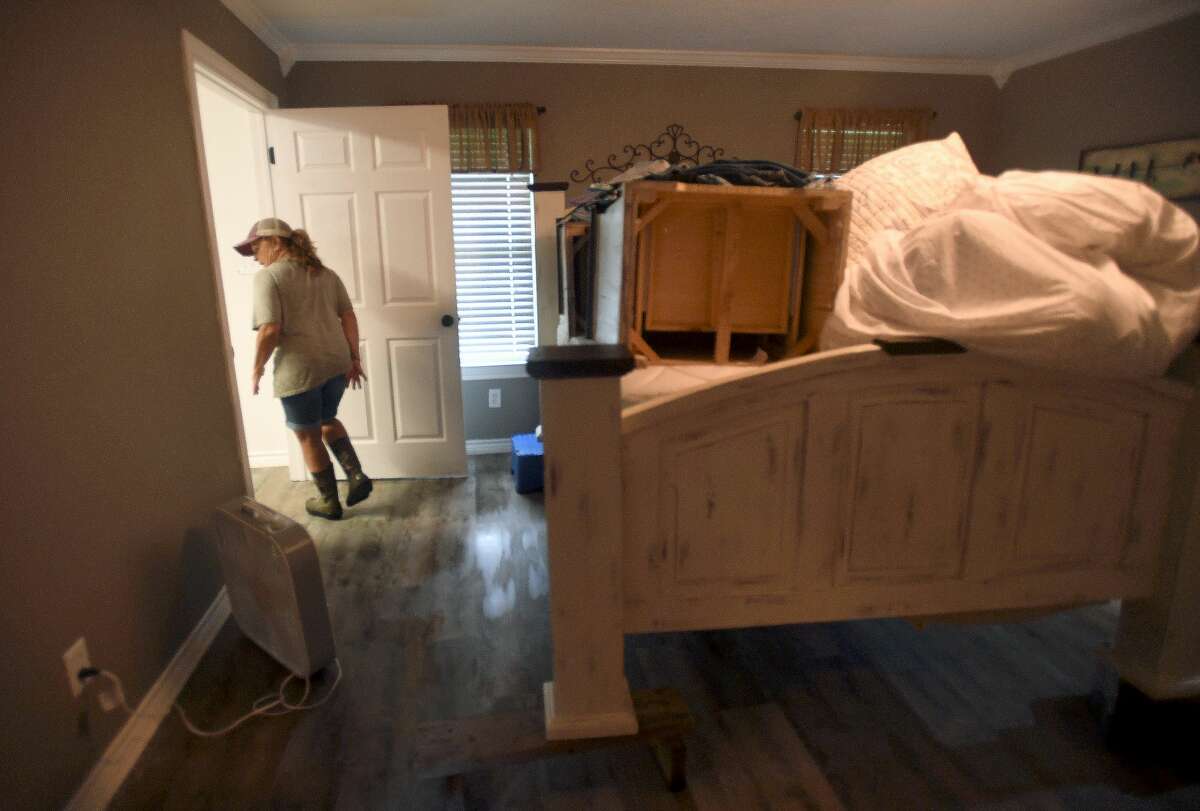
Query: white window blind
{"x": 857, "y": 147}
{"x": 493, "y": 266}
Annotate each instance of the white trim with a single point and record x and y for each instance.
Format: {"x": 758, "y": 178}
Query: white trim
{"x": 118, "y": 760}
{"x": 1002, "y": 69}
{"x": 507, "y": 371}
{"x": 479, "y": 447}
{"x": 331, "y": 52}
{"x": 200, "y": 59}
{"x": 279, "y": 459}
{"x": 208, "y": 62}
{"x": 999, "y": 69}
{"x": 256, "y": 21}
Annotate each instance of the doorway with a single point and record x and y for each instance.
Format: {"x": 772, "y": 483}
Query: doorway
{"x": 228, "y": 113}
{"x": 372, "y": 186}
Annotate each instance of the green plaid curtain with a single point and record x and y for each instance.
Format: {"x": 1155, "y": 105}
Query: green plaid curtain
{"x": 493, "y": 138}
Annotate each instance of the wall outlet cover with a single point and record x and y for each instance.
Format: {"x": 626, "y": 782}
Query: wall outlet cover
{"x": 493, "y": 398}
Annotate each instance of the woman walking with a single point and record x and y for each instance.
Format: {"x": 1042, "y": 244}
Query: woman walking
{"x": 302, "y": 310}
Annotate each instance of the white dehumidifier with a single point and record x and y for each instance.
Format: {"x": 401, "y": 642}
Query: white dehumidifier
{"x": 273, "y": 578}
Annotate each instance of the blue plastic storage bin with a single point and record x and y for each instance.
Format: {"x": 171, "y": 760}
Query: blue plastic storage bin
{"x": 527, "y": 463}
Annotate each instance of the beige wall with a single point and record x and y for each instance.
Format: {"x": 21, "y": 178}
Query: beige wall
{"x": 1140, "y": 88}
{"x": 594, "y": 110}
{"x": 117, "y": 423}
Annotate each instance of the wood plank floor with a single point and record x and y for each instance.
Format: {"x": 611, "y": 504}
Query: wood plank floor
{"x": 437, "y": 591}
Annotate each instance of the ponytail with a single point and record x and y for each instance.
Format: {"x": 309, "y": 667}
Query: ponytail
{"x": 300, "y": 248}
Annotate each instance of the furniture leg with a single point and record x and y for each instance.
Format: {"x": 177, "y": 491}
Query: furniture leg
{"x": 581, "y": 432}
{"x": 671, "y": 756}
{"x": 1158, "y": 639}
{"x": 1164, "y": 731}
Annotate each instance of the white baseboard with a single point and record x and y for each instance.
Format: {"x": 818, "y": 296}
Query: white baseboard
{"x": 117, "y": 762}
{"x": 269, "y": 459}
{"x": 478, "y": 447}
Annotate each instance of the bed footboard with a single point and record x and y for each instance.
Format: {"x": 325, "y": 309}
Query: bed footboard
{"x": 581, "y": 432}
{"x": 1158, "y": 640}
{"x": 854, "y": 484}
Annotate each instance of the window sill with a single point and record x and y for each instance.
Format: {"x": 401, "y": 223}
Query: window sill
{"x": 498, "y": 372}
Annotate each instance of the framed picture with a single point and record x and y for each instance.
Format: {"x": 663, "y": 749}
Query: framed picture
{"x": 1172, "y": 168}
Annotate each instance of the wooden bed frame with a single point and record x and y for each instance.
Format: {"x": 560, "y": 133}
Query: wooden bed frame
{"x": 861, "y": 483}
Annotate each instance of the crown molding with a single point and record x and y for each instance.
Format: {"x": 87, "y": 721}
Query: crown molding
{"x": 999, "y": 69}
{"x": 636, "y": 56}
{"x": 1002, "y": 69}
{"x": 253, "y": 18}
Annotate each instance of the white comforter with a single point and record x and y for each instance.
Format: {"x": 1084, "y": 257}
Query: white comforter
{"x": 1094, "y": 274}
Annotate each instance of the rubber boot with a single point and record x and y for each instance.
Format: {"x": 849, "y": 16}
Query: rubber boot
{"x": 326, "y": 504}
{"x": 359, "y": 485}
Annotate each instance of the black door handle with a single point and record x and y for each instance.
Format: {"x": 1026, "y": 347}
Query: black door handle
{"x": 447, "y": 320}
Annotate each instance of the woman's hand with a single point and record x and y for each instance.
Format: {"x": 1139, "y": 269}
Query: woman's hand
{"x": 255, "y": 376}
{"x": 355, "y": 376}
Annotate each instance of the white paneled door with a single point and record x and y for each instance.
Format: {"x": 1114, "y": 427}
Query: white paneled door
{"x": 371, "y": 185}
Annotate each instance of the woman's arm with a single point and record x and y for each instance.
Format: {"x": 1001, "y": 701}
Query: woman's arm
{"x": 355, "y": 376}
{"x": 264, "y": 345}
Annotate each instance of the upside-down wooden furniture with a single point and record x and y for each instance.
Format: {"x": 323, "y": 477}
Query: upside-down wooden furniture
{"x": 719, "y": 261}
{"x": 854, "y": 484}
{"x": 576, "y": 286}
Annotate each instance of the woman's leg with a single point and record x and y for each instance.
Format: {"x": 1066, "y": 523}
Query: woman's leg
{"x": 311, "y": 448}
{"x": 303, "y": 413}
{"x": 334, "y": 434}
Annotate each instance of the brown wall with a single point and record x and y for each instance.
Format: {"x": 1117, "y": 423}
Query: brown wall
{"x": 1140, "y": 88}
{"x": 117, "y": 419}
{"x": 594, "y": 110}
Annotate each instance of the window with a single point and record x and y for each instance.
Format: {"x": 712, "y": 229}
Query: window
{"x": 493, "y": 260}
{"x": 855, "y": 147}
{"x": 831, "y": 142}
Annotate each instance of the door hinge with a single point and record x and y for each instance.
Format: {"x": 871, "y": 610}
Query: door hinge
{"x": 271, "y": 155}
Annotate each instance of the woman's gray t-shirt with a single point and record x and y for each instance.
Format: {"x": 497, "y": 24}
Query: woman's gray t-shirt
{"x": 308, "y": 308}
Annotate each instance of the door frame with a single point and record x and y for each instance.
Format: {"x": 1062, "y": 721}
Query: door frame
{"x": 200, "y": 59}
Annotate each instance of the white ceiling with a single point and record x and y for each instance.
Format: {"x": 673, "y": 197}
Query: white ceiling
{"x": 994, "y": 36}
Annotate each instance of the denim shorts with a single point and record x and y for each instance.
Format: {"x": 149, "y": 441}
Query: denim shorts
{"x": 309, "y": 409}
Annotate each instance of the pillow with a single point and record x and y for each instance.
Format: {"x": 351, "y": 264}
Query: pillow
{"x": 899, "y": 189}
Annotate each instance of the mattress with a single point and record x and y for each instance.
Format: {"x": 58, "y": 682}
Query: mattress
{"x": 651, "y": 382}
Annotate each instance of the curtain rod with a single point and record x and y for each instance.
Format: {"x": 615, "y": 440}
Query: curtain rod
{"x": 799, "y": 114}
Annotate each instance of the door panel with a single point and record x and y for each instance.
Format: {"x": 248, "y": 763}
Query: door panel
{"x": 339, "y": 223}
{"x": 408, "y": 264}
{"x": 418, "y": 415}
{"x": 372, "y": 187}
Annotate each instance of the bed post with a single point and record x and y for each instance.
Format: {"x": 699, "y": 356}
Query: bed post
{"x": 1158, "y": 640}
{"x": 581, "y": 430}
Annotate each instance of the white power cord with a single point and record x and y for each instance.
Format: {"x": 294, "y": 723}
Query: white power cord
{"x": 270, "y": 704}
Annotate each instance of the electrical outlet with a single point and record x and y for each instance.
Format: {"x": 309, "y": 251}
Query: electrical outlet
{"x": 76, "y": 659}
{"x": 493, "y": 398}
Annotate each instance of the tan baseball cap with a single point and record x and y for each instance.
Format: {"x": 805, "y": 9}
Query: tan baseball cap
{"x": 270, "y": 227}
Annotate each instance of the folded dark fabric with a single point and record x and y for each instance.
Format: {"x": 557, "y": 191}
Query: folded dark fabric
{"x": 738, "y": 173}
